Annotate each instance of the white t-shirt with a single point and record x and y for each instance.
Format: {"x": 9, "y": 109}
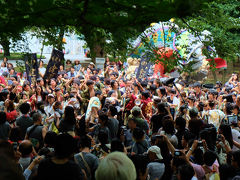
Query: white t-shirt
{"x": 49, "y": 110}
{"x": 235, "y": 135}
{"x": 42, "y": 70}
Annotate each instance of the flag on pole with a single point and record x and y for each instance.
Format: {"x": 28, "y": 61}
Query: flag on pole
{"x": 53, "y": 64}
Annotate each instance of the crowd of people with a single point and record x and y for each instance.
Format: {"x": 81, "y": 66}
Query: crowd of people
{"x": 90, "y": 123}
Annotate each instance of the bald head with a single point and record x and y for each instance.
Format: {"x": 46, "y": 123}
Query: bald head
{"x": 25, "y": 148}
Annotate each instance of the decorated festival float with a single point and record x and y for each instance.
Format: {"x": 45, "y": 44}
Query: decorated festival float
{"x": 165, "y": 50}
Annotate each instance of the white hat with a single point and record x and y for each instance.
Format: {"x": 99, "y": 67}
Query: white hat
{"x": 156, "y": 150}
{"x": 51, "y": 95}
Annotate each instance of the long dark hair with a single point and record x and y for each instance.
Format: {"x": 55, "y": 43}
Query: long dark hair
{"x": 69, "y": 115}
{"x": 227, "y": 133}
{"x": 40, "y": 107}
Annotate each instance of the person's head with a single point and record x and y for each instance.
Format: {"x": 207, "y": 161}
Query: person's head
{"x": 57, "y": 105}
{"x": 197, "y": 87}
{"x": 156, "y": 101}
{"x": 132, "y": 123}
{"x": 9, "y": 169}
{"x": 69, "y": 115}
{"x": 37, "y": 118}
{"x": 72, "y": 69}
{"x": 162, "y": 91}
{"x": 140, "y": 162}
{"x": 185, "y": 172}
{"x": 136, "y": 111}
{"x": 7, "y": 149}
{"x": 154, "y": 152}
{"x": 15, "y": 134}
{"x": 114, "y": 84}
{"x": 172, "y": 92}
{"x": 183, "y": 109}
{"x": 145, "y": 94}
{"x": 65, "y": 146}
{"x": 26, "y": 86}
{"x": 85, "y": 142}
{"x": 138, "y": 134}
{"x": 50, "y": 138}
{"x": 68, "y": 62}
{"x": 116, "y": 166}
{"x": 53, "y": 82}
{"x": 162, "y": 108}
{"x": 228, "y": 108}
{"x": 40, "y": 63}
{"x": 226, "y": 171}
{"x": 187, "y": 139}
{"x": 107, "y": 81}
{"x": 76, "y": 62}
{"x": 236, "y": 109}
{"x": 168, "y": 125}
{"x": 236, "y": 159}
{"x": 193, "y": 113}
{"x": 112, "y": 93}
{"x": 38, "y": 90}
{"x": 209, "y": 157}
{"x": 117, "y": 145}
{"x": 200, "y": 106}
{"x": 5, "y": 59}
{"x": 103, "y": 137}
{"x": 102, "y": 118}
{"x": 235, "y": 77}
{"x": 24, "y": 108}
{"x": 112, "y": 110}
{"x": 180, "y": 123}
{"x": 3, "y": 117}
{"x": 51, "y": 98}
{"x": 177, "y": 162}
{"x": 195, "y": 126}
{"x": 26, "y": 148}
{"x": 61, "y": 68}
{"x": 90, "y": 84}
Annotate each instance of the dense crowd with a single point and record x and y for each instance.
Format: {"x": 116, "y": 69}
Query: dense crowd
{"x": 91, "y": 123}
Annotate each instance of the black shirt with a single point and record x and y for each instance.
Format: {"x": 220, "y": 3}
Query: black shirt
{"x": 49, "y": 170}
{"x": 156, "y": 121}
{"x": 24, "y": 122}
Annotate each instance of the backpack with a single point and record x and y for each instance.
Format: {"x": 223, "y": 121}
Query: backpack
{"x": 211, "y": 174}
{"x": 34, "y": 141}
{"x": 78, "y": 158}
{"x": 54, "y": 127}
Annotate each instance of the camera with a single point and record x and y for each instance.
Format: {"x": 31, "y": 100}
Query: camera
{"x": 177, "y": 153}
{"x": 232, "y": 119}
{"x": 219, "y": 137}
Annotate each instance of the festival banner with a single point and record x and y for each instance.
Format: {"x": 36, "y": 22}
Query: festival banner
{"x": 53, "y": 64}
{"x": 31, "y": 66}
{"x": 144, "y": 68}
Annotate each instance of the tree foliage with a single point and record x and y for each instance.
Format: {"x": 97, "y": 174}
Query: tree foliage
{"x": 221, "y": 18}
{"x": 114, "y": 21}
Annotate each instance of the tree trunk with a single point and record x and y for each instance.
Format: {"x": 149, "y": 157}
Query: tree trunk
{"x": 98, "y": 52}
{"x": 6, "y": 46}
{"x": 214, "y": 76}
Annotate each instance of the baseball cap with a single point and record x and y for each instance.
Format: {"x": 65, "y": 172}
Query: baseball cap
{"x": 136, "y": 108}
{"x": 156, "y": 150}
{"x": 51, "y": 95}
{"x": 5, "y": 73}
{"x": 91, "y": 63}
{"x": 196, "y": 84}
